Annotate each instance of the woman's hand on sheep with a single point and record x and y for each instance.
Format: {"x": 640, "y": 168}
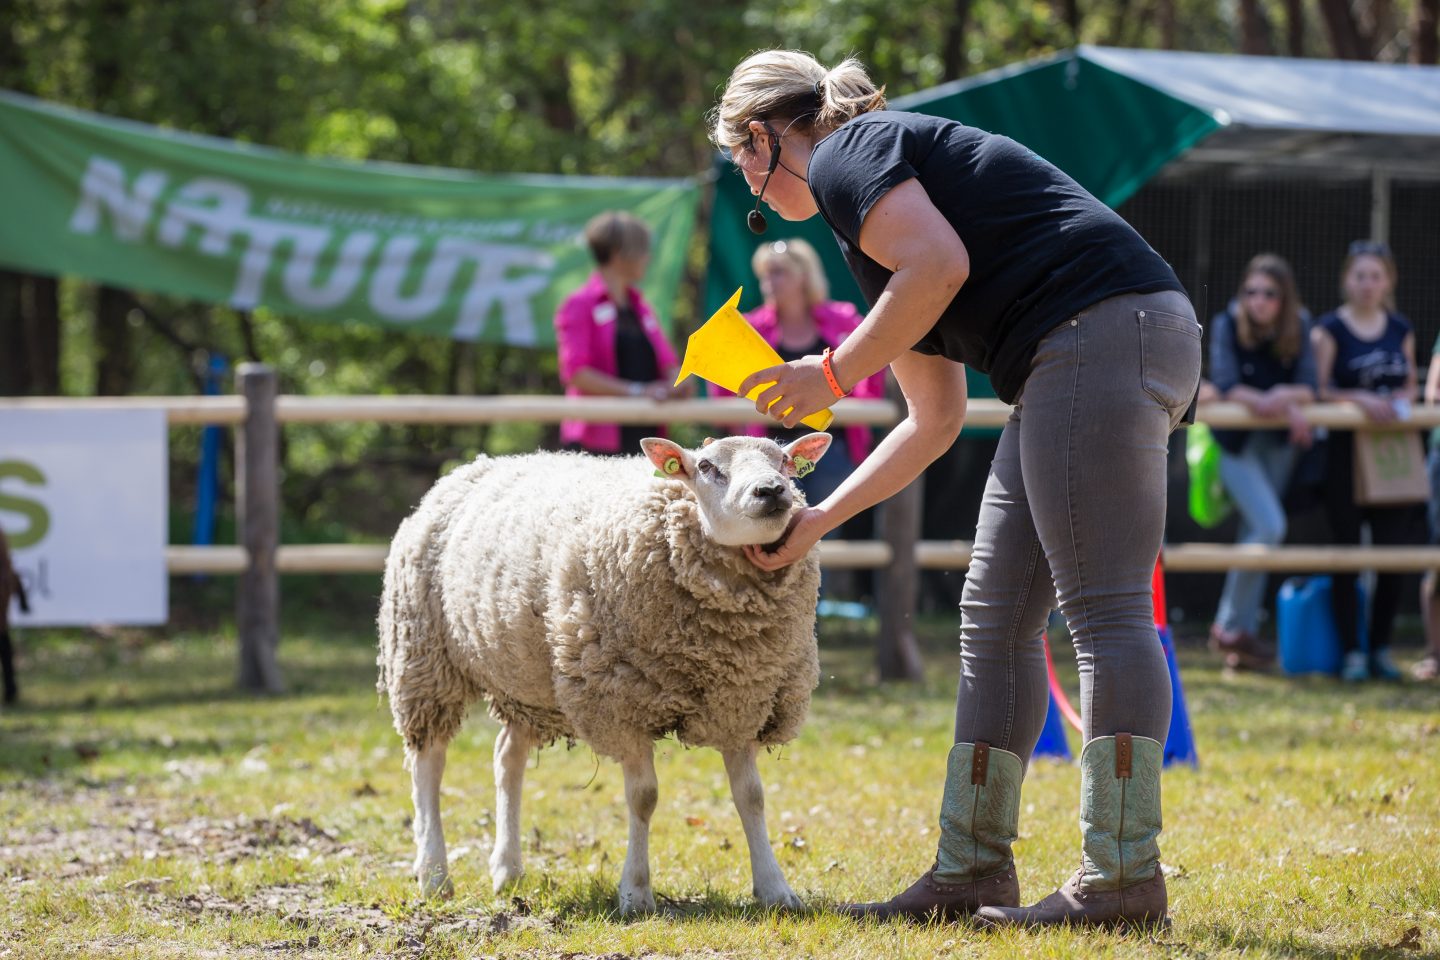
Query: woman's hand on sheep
{"x": 798, "y": 387}
{"x": 805, "y": 530}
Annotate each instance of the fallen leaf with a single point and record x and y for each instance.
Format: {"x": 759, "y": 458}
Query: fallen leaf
{"x": 695, "y": 821}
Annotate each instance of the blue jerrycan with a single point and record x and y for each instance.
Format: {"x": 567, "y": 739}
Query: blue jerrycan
{"x": 1309, "y": 642}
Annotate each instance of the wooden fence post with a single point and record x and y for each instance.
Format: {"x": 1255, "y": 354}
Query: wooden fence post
{"x": 897, "y": 654}
{"x": 257, "y": 509}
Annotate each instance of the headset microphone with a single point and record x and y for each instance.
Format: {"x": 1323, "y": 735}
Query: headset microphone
{"x": 755, "y": 220}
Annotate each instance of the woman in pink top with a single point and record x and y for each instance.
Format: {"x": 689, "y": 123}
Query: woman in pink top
{"x": 609, "y": 340}
{"x": 797, "y": 319}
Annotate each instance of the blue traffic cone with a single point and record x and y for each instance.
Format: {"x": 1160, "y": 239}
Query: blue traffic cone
{"x": 1052, "y": 741}
{"x": 1180, "y": 742}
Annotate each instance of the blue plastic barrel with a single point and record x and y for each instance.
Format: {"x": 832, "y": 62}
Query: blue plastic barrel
{"x": 1309, "y": 642}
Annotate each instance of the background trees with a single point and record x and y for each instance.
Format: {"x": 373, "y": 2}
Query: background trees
{"x": 618, "y": 87}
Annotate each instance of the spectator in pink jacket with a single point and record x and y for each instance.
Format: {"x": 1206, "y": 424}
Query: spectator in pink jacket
{"x": 797, "y": 319}
{"x": 609, "y": 340}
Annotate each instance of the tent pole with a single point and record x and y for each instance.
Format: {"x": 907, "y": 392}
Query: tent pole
{"x": 1380, "y": 205}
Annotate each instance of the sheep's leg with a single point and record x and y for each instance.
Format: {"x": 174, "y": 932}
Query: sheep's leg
{"x": 749, "y": 796}
{"x": 641, "y": 794}
{"x": 512, "y": 750}
{"x": 426, "y": 769}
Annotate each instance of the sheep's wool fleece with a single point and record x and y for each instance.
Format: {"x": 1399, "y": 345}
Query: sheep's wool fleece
{"x": 580, "y": 596}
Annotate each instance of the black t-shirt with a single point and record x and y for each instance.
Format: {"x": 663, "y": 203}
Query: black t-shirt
{"x": 1041, "y": 248}
{"x": 634, "y": 360}
{"x": 1376, "y": 365}
{"x": 781, "y": 435}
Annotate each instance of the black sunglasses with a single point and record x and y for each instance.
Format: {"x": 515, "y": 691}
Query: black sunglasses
{"x": 774, "y": 146}
{"x": 1372, "y": 248}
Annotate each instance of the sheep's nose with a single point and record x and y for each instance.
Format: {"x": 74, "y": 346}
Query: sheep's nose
{"x": 769, "y": 491}
{"x": 772, "y": 497}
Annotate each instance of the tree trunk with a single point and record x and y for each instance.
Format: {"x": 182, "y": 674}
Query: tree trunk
{"x": 1069, "y": 12}
{"x": 1347, "y": 42}
{"x": 114, "y": 369}
{"x": 42, "y": 334}
{"x": 1255, "y": 36}
{"x": 957, "y": 59}
{"x": 14, "y": 381}
{"x": 1425, "y": 32}
{"x": 460, "y": 378}
{"x": 1295, "y": 27}
{"x": 247, "y": 333}
{"x": 1165, "y": 14}
{"x": 556, "y": 105}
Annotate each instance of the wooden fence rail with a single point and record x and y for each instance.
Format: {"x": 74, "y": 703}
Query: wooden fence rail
{"x": 258, "y": 412}
{"x": 870, "y": 555}
{"x": 386, "y": 408}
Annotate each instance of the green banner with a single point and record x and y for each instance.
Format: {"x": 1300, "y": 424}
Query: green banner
{"x": 438, "y": 251}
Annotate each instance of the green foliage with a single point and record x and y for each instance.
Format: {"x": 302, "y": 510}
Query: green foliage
{"x": 583, "y": 87}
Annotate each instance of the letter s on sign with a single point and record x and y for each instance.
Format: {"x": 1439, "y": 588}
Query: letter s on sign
{"x": 33, "y": 510}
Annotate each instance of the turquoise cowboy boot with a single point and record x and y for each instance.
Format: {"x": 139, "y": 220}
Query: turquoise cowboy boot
{"x": 1119, "y": 882}
{"x": 979, "y": 818}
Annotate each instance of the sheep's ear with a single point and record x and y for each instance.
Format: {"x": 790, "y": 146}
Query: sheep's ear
{"x": 802, "y": 455}
{"x": 670, "y": 459}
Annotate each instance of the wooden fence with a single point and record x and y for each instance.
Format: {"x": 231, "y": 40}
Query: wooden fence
{"x": 258, "y": 413}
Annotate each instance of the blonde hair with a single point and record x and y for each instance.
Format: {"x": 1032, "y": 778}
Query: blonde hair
{"x": 791, "y": 85}
{"x": 1288, "y": 328}
{"x": 803, "y": 259}
{"x": 616, "y": 233}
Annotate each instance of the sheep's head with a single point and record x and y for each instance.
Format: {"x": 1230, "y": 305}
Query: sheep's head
{"x": 745, "y": 485}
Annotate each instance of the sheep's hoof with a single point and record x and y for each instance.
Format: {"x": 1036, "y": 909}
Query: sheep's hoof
{"x": 435, "y": 884}
{"x": 504, "y": 875}
{"x": 636, "y": 900}
{"x": 782, "y": 898}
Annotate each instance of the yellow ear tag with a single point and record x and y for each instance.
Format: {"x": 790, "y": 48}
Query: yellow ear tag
{"x": 672, "y": 466}
{"x": 802, "y": 466}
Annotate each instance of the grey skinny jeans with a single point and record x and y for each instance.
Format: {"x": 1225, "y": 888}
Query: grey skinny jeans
{"x": 1074, "y": 512}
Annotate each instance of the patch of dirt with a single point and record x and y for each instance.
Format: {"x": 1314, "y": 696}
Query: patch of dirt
{"x": 222, "y": 840}
{"x": 129, "y": 828}
{"x": 305, "y": 907}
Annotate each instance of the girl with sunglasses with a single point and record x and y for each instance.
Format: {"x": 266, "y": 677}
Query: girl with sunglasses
{"x": 972, "y": 250}
{"x": 1260, "y": 356}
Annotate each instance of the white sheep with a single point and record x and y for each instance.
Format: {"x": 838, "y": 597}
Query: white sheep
{"x": 586, "y": 599}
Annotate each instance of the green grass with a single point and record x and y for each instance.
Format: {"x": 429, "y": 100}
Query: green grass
{"x": 147, "y": 810}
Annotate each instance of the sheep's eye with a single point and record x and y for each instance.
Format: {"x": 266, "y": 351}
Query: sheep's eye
{"x": 706, "y": 467}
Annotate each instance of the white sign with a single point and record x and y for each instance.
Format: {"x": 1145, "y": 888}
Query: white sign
{"x": 83, "y": 502}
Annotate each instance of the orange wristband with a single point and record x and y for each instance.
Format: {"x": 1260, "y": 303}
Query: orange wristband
{"x": 830, "y": 375}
